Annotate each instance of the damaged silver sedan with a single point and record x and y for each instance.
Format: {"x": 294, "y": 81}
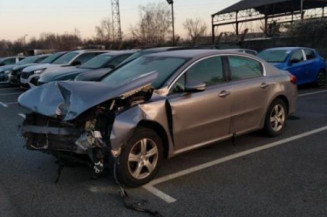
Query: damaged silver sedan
{"x": 156, "y": 107}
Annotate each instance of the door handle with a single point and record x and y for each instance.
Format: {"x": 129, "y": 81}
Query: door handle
{"x": 224, "y": 93}
{"x": 264, "y": 85}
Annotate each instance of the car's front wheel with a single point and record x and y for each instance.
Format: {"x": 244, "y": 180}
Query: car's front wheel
{"x": 141, "y": 158}
{"x": 275, "y": 118}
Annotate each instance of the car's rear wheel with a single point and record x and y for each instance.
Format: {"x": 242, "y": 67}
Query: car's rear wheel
{"x": 275, "y": 118}
{"x": 321, "y": 78}
{"x": 141, "y": 158}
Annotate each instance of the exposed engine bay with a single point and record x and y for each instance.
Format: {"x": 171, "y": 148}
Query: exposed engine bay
{"x": 86, "y": 135}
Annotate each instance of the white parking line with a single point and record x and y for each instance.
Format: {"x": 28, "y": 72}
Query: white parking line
{"x": 3, "y": 105}
{"x": 313, "y": 93}
{"x": 22, "y": 115}
{"x": 150, "y": 186}
{"x": 6, "y": 104}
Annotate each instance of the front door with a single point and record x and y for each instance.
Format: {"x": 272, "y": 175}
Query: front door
{"x": 200, "y": 117}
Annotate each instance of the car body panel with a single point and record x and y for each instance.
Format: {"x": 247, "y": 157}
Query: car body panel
{"x": 211, "y": 123}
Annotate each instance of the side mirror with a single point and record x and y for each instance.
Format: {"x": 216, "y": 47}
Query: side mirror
{"x": 195, "y": 86}
{"x": 76, "y": 63}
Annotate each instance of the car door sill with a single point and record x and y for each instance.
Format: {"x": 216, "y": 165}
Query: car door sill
{"x": 201, "y": 144}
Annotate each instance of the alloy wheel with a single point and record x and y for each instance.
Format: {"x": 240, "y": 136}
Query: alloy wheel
{"x": 277, "y": 117}
{"x": 143, "y": 158}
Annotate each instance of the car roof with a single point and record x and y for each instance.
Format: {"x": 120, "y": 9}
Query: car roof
{"x": 288, "y": 48}
{"x": 89, "y": 51}
{"x": 118, "y": 52}
{"x": 196, "y": 53}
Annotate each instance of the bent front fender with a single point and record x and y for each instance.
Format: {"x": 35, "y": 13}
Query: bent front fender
{"x": 126, "y": 122}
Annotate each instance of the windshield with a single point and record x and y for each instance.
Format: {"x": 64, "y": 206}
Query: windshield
{"x": 274, "y": 56}
{"x": 27, "y": 60}
{"x": 165, "y": 66}
{"x": 97, "y": 62}
{"x": 66, "y": 58}
{"x": 51, "y": 58}
{"x": 132, "y": 57}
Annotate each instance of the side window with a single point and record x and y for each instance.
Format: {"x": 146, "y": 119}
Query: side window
{"x": 244, "y": 68}
{"x": 10, "y": 61}
{"x": 83, "y": 58}
{"x": 297, "y": 56}
{"x": 209, "y": 71}
{"x": 310, "y": 54}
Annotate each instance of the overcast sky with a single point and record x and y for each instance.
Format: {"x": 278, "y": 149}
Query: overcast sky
{"x": 32, "y": 17}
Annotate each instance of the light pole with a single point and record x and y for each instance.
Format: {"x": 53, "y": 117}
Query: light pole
{"x": 25, "y": 39}
{"x": 171, "y": 2}
{"x": 302, "y": 10}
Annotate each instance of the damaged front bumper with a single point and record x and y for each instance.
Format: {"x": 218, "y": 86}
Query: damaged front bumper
{"x": 44, "y": 133}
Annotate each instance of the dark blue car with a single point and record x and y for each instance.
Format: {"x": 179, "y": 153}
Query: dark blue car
{"x": 305, "y": 63}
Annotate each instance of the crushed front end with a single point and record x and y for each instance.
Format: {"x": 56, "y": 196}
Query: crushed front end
{"x": 69, "y": 121}
{"x": 82, "y": 140}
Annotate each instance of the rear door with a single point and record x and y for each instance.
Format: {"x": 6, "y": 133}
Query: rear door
{"x": 298, "y": 66}
{"x": 249, "y": 90}
{"x": 312, "y": 65}
{"x": 200, "y": 117}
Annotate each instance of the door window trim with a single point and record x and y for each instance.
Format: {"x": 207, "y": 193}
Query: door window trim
{"x": 263, "y": 73}
{"x": 172, "y": 84}
{"x": 226, "y": 69}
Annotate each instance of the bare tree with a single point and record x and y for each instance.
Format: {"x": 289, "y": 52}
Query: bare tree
{"x": 104, "y": 30}
{"x": 195, "y": 28}
{"x": 154, "y": 24}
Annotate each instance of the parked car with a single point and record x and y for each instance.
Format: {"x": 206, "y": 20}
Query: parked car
{"x": 16, "y": 71}
{"x": 304, "y": 63}
{"x": 31, "y": 75}
{"x": 156, "y": 107}
{"x": 97, "y": 76}
{"x": 7, "y": 75}
{"x": 10, "y": 60}
{"x": 100, "y": 64}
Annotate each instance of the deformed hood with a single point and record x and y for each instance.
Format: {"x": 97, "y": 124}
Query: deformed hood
{"x": 78, "y": 96}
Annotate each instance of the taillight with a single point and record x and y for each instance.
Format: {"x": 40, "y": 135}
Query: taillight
{"x": 293, "y": 79}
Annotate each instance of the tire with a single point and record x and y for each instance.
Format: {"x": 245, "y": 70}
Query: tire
{"x": 321, "y": 78}
{"x": 276, "y": 117}
{"x": 140, "y": 159}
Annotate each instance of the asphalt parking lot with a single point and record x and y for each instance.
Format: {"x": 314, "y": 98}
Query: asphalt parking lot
{"x": 256, "y": 176}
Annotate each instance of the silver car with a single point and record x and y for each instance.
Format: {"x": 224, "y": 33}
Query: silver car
{"x": 156, "y": 107}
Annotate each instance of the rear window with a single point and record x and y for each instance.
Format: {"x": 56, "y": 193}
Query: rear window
{"x": 244, "y": 68}
{"x": 310, "y": 54}
{"x": 66, "y": 58}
